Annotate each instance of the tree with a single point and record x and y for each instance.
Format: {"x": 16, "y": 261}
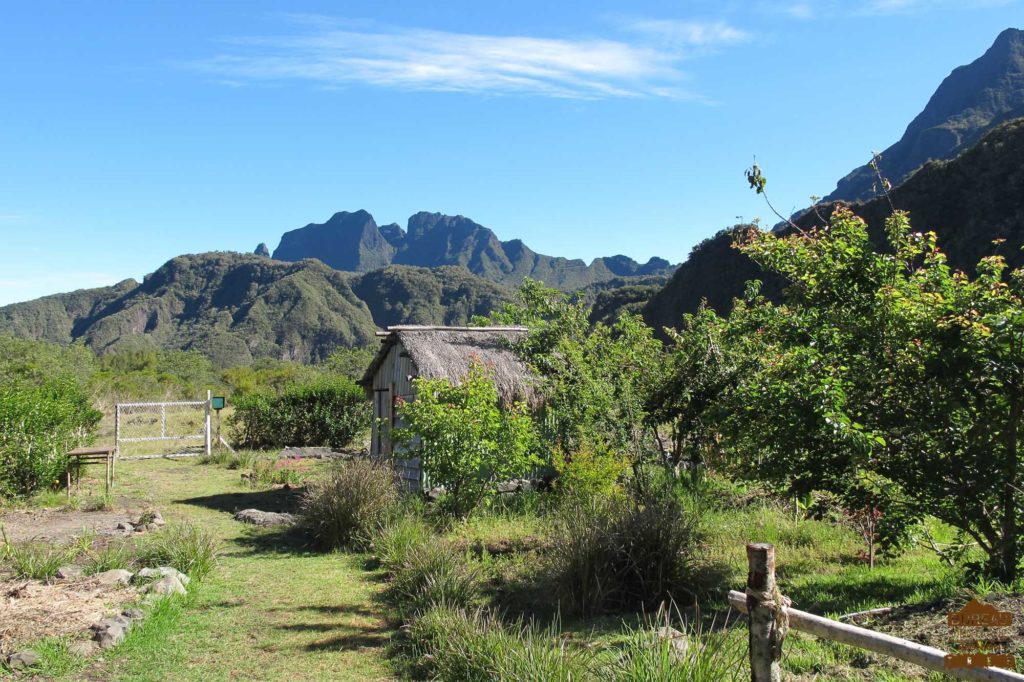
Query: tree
{"x": 890, "y": 364}
{"x": 594, "y": 378}
{"x": 465, "y": 439}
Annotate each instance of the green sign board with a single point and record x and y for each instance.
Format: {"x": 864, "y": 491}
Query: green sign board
{"x": 218, "y": 403}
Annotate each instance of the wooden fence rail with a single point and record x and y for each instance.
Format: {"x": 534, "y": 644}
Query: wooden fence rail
{"x": 770, "y": 617}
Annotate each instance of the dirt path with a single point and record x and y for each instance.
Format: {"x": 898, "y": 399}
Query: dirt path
{"x": 59, "y": 526}
{"x": 272, "y": 610}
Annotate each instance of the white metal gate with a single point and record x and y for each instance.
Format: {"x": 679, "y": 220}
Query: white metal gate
{"x": 167, "y": 429}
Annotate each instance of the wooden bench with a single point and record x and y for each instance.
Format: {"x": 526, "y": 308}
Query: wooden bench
{"x": 93, "y": 454}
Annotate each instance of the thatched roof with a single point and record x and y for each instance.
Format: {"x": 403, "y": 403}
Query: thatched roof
{"x": 447, "y": 352}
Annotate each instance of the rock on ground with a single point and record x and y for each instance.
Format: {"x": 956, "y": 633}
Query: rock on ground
{"x": 676, "y": 639}
{"x": 110, "y": 632}
{"x": 166, "y": 586}
{"x": 117, "y": 576}
{"x": 23, "y": 659}
{"x": 263, "y": 518}
{"x": 69, "y": 572}
{"x": 162, "y": 572}
{"x": 83, "y": 648}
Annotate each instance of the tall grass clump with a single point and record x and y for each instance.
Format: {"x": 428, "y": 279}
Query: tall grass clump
{"x": 115, "y": 555}
{"x": 35, "y": 560}
{"x": 185, "y": 546}
{"x": 394, "y": 540}
{"x": 656, "y": 651}
{"x": 452, "y": 644}
{"x": 343, "y": 508}
{"x": 432, "y": 573}
{"x": 612, "y": 554}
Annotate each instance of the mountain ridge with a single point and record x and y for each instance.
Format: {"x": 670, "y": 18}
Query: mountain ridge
{"x": 970, "y": 101}
{"x": 354, "y": 242}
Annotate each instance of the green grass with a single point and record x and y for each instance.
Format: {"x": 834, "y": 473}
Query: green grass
{"x": 270, "y": 610}
{"x": 35, "y": 560}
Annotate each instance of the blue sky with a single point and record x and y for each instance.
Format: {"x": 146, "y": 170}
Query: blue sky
{"x": 133, "y": 132}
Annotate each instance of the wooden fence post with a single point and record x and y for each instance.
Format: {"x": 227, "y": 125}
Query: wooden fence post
{"x": 767, "y": 614}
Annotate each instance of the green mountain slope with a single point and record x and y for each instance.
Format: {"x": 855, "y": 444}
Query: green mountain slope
{"x": 235, "y": 307}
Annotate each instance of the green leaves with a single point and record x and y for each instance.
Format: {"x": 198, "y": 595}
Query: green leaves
{"x": 465, "y": 439}
{"x": 884, "y": 366}
{"x": 39, "y": 424}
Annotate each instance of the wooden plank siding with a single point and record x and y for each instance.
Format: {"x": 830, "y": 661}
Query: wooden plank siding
{"x": 393, "y": 380}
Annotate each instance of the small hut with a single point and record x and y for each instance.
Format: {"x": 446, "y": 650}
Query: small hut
{"x": 409, "y": 352}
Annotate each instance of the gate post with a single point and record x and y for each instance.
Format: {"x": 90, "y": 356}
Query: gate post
{"x": 117, "y": 440}
{"x": 208, "y": 444}
{"x": 766, "y": 610}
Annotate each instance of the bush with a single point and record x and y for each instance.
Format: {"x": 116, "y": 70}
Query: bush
{"x": 344, "y": 507}
{"x": 592, "y": 470}
{"x": 323, "y": 412}
{"x": 186, "y": 547}
{"x": 39, "y": 424}
{"x": 465, "y": 439}
{"x": 623, "y": 554}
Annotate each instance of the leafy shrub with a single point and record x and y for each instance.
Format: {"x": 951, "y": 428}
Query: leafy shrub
{"x": 592, "y": 470}
{"x": 344, "y": 507}
{"x": 432, "y": 573}
{"x": 464, "y": 438}
{"x": 39, "y": 424}
{"x": 329, "y": 411}
{"x": 186, "y": 547}
{"x": 614, "y": 554}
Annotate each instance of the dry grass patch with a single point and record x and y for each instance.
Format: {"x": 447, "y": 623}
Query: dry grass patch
{"x": 32, "y": 610}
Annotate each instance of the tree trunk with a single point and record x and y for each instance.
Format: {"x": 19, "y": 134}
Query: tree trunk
{"x": 1009, "y": 526}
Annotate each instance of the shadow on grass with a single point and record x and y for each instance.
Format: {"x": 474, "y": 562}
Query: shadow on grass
{"x": 347, "y": 636}
{"x": 331, "y": 610}
{"x": 847, "y": 593}
{"x": 370, "y": 638}
{"x": 285, "y": 500}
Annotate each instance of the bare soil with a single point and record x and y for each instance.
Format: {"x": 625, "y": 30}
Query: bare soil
{"x": 59, "y": 526}
{"x": 31, "y": 610}
{"x": 929, "y": 625}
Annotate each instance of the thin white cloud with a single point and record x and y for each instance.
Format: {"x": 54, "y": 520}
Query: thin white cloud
{"x": 914, "y": 6}
{"x": 335, "y": 54}
{"x": 800, "y": 10}
{"x": 812, "y": 9}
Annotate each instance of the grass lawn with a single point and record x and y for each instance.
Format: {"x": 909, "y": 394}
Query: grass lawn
{"x": 271, "y": 611}
{"x": 275, "y": 610}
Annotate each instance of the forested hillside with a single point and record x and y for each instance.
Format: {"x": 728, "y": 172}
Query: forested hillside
{"x": 968, "y": 202}
{"x": 234, "y": 307}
